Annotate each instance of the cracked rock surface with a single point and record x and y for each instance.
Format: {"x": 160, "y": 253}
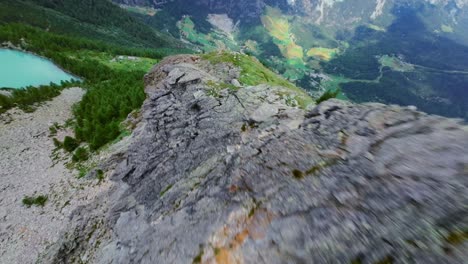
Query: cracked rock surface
{"x": 244, "y": 178}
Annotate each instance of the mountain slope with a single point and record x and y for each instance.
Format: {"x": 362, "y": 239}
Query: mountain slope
{"x": 95, "y": 19}
{"x": 218, "y": 173}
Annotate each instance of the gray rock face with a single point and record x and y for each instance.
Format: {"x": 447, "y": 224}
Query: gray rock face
{"x": 242, "y": 177}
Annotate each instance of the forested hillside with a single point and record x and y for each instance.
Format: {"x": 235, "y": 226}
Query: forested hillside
{"x": 96, "y": 19}
{"x": 112, "y": 91}
{"x": 84, "y": 38}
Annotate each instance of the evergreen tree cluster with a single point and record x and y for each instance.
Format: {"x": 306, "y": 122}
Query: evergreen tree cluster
{"x": 27, "y": 97}
{"x": 96, "y": 19}
{"x": 105, "y": 105}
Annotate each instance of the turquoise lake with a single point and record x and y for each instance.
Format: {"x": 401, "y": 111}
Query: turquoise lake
{"x": 20, "y": 69}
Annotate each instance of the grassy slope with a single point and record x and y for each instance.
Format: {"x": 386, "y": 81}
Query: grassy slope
{"x": 254, "y": 73}
{"x": 134, "y": 63}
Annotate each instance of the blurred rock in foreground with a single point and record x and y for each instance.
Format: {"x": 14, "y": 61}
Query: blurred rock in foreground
{"x": 221, "y": 174}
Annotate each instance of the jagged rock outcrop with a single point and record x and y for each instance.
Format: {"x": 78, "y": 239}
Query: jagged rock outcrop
{"x": 239, "y": 176}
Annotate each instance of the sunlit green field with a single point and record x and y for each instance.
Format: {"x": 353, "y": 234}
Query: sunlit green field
{"x": 115, "y": 62}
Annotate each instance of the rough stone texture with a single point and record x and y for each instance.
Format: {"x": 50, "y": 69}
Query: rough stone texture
{"x": 210, "y": 180}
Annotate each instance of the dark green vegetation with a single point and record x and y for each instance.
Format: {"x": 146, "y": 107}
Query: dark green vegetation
{"x": 81, "y": 154}
{"x": 113, "y": 91}
{"x": 70, "y": 144}
{"x": 107, "y": 104}
{"x": 26, "y": 98}
{"x": 329, "y": 94}
{"x": 39, "y": 200}
{"x": 298, "y": 174}
{"x": 95, "y": 19}
{"x": 53, "y": 129}
{"x": 437, "y": 84}
{"x": 82, "y": 172}
{"x": 100, "y": 175}
{"x": 198, "y": 258}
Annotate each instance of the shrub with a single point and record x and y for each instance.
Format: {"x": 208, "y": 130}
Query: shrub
{"x": 82, "y": 172}
{"x": 81, "y": 154}
{"x": 53, "y": 129}
{"x": 37, "y": 201}
{"x": 100, "y": 175}
{"x": 329, "y": 94}
{"x": 5, "y": 103}
{"x": 70, "y": 144}
{"x": 57, "y": 143}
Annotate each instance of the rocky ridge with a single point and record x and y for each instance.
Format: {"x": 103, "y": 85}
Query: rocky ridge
{"x": 238, "y": 175}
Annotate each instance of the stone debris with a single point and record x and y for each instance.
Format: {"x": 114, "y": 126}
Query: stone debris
{"x": 28, "y": 168}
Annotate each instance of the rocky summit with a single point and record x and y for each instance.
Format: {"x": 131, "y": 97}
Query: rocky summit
{"x": 222, "y": 172}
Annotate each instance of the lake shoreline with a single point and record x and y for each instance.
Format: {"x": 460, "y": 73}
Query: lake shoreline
{"x": 12, "y": 47}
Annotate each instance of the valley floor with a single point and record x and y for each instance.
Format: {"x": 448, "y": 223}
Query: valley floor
{"x": 28, "y": 168}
